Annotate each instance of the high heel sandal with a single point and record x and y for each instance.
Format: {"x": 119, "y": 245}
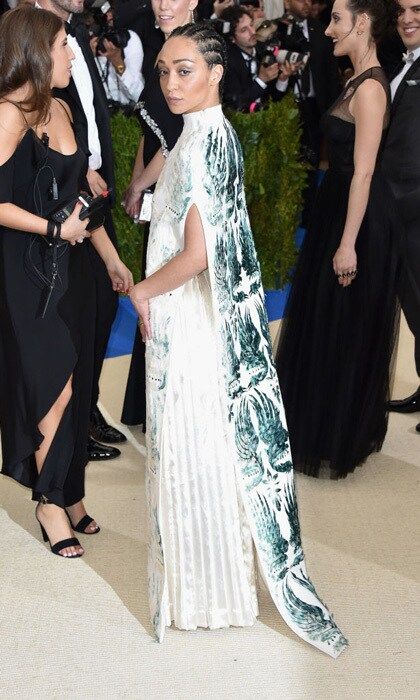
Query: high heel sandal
{"x": 58, "y": 546}
{"x": 83, "y": 524}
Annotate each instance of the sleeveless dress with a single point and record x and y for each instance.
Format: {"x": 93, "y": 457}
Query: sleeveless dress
{"x": 39, "y": 354}
{"x": 336, "y": 343}
{"x": 219, "y": 472}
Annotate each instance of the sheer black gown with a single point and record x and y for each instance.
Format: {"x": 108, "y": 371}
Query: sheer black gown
{"x": 161, "y": 129}
{"x": 336, "y": 343}
{"x": 38, "y": 355}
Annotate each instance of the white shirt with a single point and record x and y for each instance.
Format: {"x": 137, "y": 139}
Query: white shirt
{"x": 251, "y": 60}
{"x": 398, "y": 78}
{"x": 82, "y": 80}
{"x": 282, "y": 84}
{"x": 127, "y": 87}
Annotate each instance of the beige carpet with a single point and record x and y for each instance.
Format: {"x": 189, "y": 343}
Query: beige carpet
{"x": 80, "y": 629}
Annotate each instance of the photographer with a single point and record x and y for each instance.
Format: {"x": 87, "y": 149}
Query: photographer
{"x": 119, "y": 57}
{"x": 316, "y": 86}
{"x": 248, "y": 81}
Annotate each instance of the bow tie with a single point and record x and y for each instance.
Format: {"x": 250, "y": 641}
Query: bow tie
{"x": 76, "y": 28}
{"x": 408, "y": 57}
{"x": 69, "y": 29}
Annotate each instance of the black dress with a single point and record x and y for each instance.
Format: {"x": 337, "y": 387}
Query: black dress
{"x": 161, "y": 129}
{"x": 336, "y": 343}
{"x": 39, "y": 354}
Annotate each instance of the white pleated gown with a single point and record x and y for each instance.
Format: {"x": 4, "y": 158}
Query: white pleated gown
{"x": 207, "y": 544}
{"x": 219, "y": 470}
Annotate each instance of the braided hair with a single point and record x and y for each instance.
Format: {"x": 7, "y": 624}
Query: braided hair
{"x": 209, "y": 43}
{"x": 383, "y": 15}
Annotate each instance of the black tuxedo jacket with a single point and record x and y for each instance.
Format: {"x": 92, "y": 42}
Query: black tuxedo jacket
{"x": 71, "y": 96}
{"x": 322, "y": 63}
{"x": 401, "y": 153}
{"x": 240, "y": 89}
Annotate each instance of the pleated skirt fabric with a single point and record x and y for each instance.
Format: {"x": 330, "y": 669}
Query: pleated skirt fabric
{"x": 207, "y": 544}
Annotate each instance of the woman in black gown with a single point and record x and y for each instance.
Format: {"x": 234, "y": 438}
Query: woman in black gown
{"x": 338, "y": 336}
{"x": 161, "y": 130}
{"x": 46, "y": 351}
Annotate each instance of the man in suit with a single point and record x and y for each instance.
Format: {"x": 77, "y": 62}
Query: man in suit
{"x": 87, "y": 100}
{"x": 248, "y": 82}
{"x": 401, "y": 165}
{"x": 316, "y": 86}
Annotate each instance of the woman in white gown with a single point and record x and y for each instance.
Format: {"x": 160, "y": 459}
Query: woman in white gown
{"x": 220, "y": 476}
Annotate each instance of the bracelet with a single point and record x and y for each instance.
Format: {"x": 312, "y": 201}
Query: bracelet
{"x": 50, "y": 228}
{"x": 53, "y": 230}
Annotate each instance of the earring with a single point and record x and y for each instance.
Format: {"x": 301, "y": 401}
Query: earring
{"x": 156, "y": 25}
{"x": 359, "y": 33}
{"x": 192, "y": 18}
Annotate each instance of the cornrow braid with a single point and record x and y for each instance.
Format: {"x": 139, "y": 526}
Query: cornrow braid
{"x": 209, "y": 43}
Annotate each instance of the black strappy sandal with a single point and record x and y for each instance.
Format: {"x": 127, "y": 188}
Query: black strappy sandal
{"x": 83, "y": 524}
{"x": 58, "y": 546}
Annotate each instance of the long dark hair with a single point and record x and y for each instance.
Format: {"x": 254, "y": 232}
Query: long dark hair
{"x": 27, "y": 35}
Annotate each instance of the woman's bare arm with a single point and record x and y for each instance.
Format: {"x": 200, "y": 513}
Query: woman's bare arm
{"x": 148, "y": 177}
{"x": 139, "y": 162}
{"x": 189, "y": 263}
{"x": 368, "y": 108}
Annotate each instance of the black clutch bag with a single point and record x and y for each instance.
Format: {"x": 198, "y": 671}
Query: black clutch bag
{"x": 92, "y": 209}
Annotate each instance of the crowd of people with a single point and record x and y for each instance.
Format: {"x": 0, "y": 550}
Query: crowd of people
{"x": 203, "y": 380}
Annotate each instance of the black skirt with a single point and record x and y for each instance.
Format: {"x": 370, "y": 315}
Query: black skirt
{"x": 336, "y": 344}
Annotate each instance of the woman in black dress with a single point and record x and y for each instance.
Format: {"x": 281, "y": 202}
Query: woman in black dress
{"x": 338, "y": 336}
{"x": 46, "y": 291}
{"x": 161, "y": 130}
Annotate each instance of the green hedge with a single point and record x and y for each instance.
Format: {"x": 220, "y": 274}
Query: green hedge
{"x": 274, "y": 181}
{"x": 126, "y": 134}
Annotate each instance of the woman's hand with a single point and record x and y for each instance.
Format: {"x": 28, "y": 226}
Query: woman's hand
{"x": 142, "y": 307}
{"x": 131, "y": 200}
{"x": 121, "y": 277}
{"x": 74, "y": 229}
{"x": 96, "y": 183}
{"x": 345, "y": 265}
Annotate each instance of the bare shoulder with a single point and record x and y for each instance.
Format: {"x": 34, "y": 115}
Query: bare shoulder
{"x": 64, "y": 106}
{"x": 371, "y": 89}
{"x": 11, "y": 118}
{"x": 370, "y": 95}
{"x": 370, "y": 98}
{"x": 12, "y": 128}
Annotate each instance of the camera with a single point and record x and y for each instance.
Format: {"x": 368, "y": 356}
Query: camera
{"x": 272, "y": 53}
{"x": 103, "y": 28}
{"x": 119, "y": 37}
